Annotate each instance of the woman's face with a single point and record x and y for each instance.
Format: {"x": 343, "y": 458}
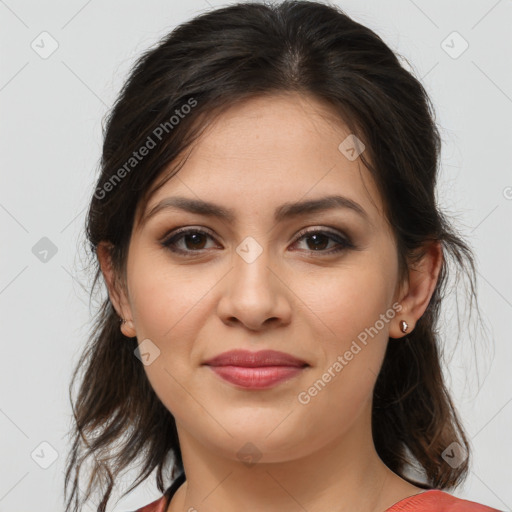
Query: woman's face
{"x": 319, "y": 284}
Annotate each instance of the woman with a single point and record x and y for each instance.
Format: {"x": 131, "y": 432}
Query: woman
{"x": 266, "y": 226}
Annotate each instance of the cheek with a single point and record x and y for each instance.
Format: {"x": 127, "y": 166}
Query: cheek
{"x": 167, "y": 310}
{"x": 351, "y": 310}
{"x": 348, "y": 300}
{"x": 166, "y": 301}
{"x": 170, "y": 305}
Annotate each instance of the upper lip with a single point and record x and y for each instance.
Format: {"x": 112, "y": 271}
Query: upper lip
{"x": 255, "y": 359}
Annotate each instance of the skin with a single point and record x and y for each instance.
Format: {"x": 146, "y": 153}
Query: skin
{"x": 309, "y": 302}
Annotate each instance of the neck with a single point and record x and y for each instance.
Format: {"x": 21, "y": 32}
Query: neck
{"x": 344, "y": 475}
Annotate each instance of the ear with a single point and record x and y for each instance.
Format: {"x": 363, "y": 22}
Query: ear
{"x": 116, "y": 292}
{"x": 416, "y": 293}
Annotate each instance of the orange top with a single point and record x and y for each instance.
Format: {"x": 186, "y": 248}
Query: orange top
{"x": 432, "y": 500}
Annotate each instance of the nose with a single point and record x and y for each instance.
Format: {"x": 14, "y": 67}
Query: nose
{"x": 255, "y": 295}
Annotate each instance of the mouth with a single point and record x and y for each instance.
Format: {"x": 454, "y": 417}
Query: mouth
{"x": 256, "y": 370}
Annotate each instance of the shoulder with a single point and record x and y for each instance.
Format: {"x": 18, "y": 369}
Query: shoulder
{"x": 435, "y": 500}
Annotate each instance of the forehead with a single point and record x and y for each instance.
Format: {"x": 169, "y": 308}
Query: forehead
{"x": 270, "y": 150}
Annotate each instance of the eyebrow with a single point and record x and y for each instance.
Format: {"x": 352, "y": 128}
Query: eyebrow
{"x": 284, "y": 212}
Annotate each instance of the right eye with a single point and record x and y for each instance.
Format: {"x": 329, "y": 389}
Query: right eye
{"x": 186, "y": 241}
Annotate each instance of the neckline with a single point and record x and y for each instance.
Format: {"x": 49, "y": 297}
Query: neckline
{"x": 414, "y": 499}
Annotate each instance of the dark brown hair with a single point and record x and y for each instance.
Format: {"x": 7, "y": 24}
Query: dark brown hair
{"x": 200, "y": 69}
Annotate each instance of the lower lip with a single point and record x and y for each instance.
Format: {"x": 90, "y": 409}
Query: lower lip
{"x": 256, "y": 378}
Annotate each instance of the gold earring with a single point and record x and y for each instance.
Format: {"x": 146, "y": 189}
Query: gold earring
{"x": 403, "y": 326}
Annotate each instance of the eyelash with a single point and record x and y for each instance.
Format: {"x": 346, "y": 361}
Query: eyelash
{"x": 343, "y": 242}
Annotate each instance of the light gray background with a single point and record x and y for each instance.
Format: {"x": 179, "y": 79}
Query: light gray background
{"x": 51, "y": 112}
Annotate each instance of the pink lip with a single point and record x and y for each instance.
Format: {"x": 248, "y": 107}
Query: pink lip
{"x": 250, "y": 359}
{"x": 256, "y": 370}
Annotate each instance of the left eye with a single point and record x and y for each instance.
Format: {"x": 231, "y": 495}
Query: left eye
{"x": 194, "y": 240}
{"x": 321, "y": 239}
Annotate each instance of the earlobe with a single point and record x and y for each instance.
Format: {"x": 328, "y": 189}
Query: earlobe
{"x": 127, "y": 328}
{"x": 422, "y": 280}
